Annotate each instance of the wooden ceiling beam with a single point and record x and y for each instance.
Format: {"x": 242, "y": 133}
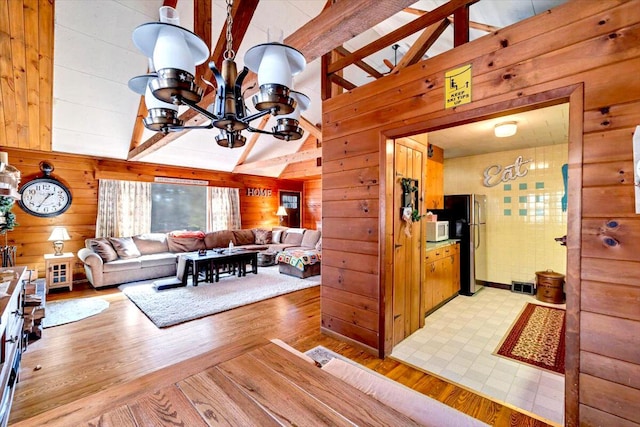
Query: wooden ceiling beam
{"x": 341, "y": 81}
{"x": 360, "y": 64}
{"x": 475, "y": 25}
{"x": 428, "y": 37}
{"x": 417, "y": 24}
{"x": 202, "y": 28}
{"x": 311, "y": 128}
{"x": 461, "y": 26}
{"x": 332, "y": 28}
{"x": 298, "y": 157}
{"x": 252, "y": 141}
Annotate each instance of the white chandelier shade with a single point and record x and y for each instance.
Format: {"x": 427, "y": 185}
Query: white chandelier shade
{"x": 303, "y": 102}
{"x": 274, "y": 63}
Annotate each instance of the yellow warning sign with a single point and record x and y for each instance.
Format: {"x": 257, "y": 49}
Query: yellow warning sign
{"x": 457, "y": 86}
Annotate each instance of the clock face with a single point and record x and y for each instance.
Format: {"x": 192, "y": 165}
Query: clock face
{"x": 44, "y": 197}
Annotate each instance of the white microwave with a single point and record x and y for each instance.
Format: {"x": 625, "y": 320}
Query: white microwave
{"x": 437, "y": 231}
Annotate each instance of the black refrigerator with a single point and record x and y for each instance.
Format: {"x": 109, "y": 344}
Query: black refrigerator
{"x": 466, "y": 214}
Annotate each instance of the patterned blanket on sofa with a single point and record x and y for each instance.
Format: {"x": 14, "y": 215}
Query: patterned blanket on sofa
{"x": 299, "y": 258}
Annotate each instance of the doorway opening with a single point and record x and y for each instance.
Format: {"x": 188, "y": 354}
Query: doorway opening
{"x": 527, "y": 210}
{"x": 290, "y": 200}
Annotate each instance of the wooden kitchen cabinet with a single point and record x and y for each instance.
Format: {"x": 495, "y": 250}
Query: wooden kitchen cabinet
{"x": 442, "y": 276}
{"x": 434, "y": 191}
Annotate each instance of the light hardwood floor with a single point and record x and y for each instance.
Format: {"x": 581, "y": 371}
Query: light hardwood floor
{"x": 105, "y": 353}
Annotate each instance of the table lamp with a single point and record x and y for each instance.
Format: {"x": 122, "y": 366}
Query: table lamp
{"x": 282, "y": 212}
{"x": 58, "y": 236}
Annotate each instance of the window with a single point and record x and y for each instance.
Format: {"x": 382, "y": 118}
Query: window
{"x": 126, "y": 208}
{"x": 178, "y": 207}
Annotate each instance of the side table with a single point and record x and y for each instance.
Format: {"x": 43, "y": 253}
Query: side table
{"x": 59, "y": 271}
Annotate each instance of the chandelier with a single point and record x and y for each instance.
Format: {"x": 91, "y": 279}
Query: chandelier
{"x": 174, "y": 53}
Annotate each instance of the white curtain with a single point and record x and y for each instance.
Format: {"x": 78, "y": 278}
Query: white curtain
{"x": 223, "y": 208}
{"x": 124, "y": 208}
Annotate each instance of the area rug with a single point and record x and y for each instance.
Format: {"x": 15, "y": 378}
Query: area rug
{"x": 71, "y": 310}
{"x": 173, "y": 306}
{"x": 537, "y": 338}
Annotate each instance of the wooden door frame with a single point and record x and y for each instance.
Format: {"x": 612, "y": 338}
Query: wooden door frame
{"x": 574, "y": 95}
{"x": 299, "y": 202}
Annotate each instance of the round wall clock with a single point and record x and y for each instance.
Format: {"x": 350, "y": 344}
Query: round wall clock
{"x": 44, "y": 196}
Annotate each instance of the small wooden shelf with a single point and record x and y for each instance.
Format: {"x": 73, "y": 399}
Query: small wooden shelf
{"x": 59, "y": 271}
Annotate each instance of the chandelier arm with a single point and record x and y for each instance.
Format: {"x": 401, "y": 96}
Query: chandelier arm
{"x": 199, "y": 109}
{"x": 180, "y": 128}
{"x": 266, "y": 132}
{"x": 254, "y": 116}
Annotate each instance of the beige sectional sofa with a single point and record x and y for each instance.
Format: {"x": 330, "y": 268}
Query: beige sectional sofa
{"x": 113, "y": 261}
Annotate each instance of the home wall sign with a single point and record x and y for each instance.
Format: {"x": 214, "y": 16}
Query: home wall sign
{"x": 457, "y": 86}
{"x": 259, "y": 192}
{"x": 495, "y": 174}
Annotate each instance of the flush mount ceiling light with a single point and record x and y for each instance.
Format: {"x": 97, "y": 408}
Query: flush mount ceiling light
{"x": 174, "y": 53}
{"x": 505, "y": 129}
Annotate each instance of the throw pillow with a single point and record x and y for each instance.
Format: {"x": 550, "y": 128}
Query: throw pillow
{"x": 243, "y": 237}
{"x": 104, "y": 249}
{"x": 187, "y": 234}
{"x": 319, "y": 244}
{"x": 262, "y": 236}
{"x": 125, "y": 247}
{"x": 218, "y": 239}
{"x": 293, "y": 239}
{"x": 185, "y": 244}
{"x": 310, "y": 238}
{"x": 151, "y": 243}
{"x": 276, "y": 235}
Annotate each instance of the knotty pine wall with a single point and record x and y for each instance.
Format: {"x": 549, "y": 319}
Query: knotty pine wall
{"x": 583, "y": 52}
{"x": 312, "y": 204}
{"x": 81, "y": 175}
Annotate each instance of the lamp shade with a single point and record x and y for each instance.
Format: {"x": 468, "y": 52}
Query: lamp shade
{"x": 281, "y": 211}
{"x": 59, "y": 233}
{"x": 302, "y": 103}
{"x": 505, "y": 129}
{"x": 274, "y": 63}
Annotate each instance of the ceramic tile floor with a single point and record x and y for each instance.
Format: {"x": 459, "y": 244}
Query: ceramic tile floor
{"x": 457, "y": 343}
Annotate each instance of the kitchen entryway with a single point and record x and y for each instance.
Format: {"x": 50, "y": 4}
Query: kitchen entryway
{"x": 457, "y": 343}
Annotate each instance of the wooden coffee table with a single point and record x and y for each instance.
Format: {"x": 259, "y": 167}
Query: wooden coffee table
{"x": 216, "y": 260}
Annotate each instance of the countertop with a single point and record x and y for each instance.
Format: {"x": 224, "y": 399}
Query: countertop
{"x": 442, "y": 243}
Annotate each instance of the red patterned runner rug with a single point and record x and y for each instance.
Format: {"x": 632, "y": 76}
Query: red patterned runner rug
{"x": 537, "y": 338}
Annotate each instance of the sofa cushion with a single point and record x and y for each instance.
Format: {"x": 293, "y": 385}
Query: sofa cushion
{"x": 310, "y": 238}
{"x": 151, "y": 243}
{"x": 243, "y": 237}
{"x": 276, "y": 236}
{"x": 154, "y": 260}
{"x": 122, "y": 265}
{"x": 293, "y": 238}
{"x": 103, "y": 248}
{"x": 262, "y": 236}
{"x": 125, "y": 247}
{"x": 319, "y": 244}
{"x": 185, "y": 244}
{"x": 218, "y": 239}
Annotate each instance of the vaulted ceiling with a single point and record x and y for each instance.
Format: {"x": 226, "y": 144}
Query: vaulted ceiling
{"x": 94, "y": 113}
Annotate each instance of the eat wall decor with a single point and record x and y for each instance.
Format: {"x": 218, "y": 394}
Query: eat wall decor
{"x": 495, "y": 174}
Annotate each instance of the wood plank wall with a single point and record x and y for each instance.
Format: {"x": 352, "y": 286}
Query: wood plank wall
{"x": 26, "y": 73}
{"x": 312, "y": 204}
{"x": 81, "y": 174}
{"x": 591, "y": 47}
